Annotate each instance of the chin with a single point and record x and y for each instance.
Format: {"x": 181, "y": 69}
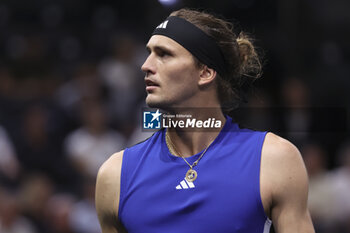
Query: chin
{"x": 153, "y": 103}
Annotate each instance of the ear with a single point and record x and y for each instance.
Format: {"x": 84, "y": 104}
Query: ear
{"x": 206, "y": 76}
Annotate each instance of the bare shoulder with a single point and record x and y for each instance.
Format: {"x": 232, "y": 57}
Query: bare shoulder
{"x": 282, "y": 164}
{"x": 279, "y": 148}
{"x": 281, "y": 156}
{"x": 109, "y": 167}
{"x": 108, "y": 191}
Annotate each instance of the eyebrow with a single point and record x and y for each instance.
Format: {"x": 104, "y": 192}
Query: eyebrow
{"x": 159, "y": 47}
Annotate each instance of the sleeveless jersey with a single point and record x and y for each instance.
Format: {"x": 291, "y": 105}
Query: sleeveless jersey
{"x": 225, "y": 197}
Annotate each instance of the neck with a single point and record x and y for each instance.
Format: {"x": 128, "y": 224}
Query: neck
{"x": 189, "y": 141}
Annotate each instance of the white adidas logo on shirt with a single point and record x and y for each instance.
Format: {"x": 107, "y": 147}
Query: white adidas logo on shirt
{"x": 163, "y": 25}
{"x": 184, "y": 184}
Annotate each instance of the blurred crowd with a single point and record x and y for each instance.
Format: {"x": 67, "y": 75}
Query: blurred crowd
{"x": 71, "y": 94}
{"x": 56, "y": 133}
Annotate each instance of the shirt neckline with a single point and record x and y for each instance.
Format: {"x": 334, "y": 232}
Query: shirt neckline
{"x": 191, "y": 159}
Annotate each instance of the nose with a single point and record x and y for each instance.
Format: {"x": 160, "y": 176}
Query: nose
{"x": 148, "y": 66}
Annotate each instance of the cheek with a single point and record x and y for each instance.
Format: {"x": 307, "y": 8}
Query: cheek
{"x": 182, "y": 74}
{"x": 182, "y": 86}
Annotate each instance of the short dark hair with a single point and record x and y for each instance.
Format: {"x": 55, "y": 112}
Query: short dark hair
{"x": 241, "y": 58}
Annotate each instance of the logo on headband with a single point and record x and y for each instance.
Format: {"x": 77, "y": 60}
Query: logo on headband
{"x": 163, "y": 25}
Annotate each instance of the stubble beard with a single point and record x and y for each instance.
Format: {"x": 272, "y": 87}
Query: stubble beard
{"x": 159, "y": 104}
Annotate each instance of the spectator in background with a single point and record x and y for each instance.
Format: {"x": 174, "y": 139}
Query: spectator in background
{"x": 34, "y": 194}
{"x": 57, "y": 212}
{"x": 84, "y": 84}
{"x": 321, "y": 199}
{"x": 9, "y": 165}
{"x": 90, "y": 145}
{"x": 82, "y": 217}
{"x": 121, "y": 74}
{"x": 11, "y": 220}
{"x": 38, "y": 152}
{"x": 297, "y": 118}
{"x": 341, "y": 187}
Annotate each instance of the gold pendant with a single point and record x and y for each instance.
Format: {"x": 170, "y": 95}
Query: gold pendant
{"x": 191, "y": 175}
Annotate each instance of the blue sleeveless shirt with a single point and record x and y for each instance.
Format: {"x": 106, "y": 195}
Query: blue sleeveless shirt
{"x": 225, "y": 197}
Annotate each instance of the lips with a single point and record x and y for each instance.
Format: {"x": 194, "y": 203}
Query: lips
{"x": 150, "y": 83}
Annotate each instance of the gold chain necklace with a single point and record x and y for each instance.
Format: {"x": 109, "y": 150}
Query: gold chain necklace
{"x": 191, "y": 174}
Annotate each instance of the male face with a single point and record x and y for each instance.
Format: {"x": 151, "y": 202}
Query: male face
{"x": 171, "y": 74}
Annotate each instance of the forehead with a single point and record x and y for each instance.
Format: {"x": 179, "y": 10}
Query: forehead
{"x": 166, "y": 42}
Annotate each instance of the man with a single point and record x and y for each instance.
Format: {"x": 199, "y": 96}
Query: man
{"x": 190, "y": 180}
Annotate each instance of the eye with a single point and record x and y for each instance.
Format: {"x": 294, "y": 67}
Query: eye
{"x": 162, "y": 53}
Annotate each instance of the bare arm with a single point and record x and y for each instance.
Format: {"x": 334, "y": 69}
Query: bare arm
{"x": 107, "y": 194}
{"x": 284, "y": 182}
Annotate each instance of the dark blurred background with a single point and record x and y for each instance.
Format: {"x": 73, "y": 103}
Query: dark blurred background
{"x": 71, "y": 91}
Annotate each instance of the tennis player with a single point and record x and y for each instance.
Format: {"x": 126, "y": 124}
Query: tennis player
{"x": 188, "y": 179}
